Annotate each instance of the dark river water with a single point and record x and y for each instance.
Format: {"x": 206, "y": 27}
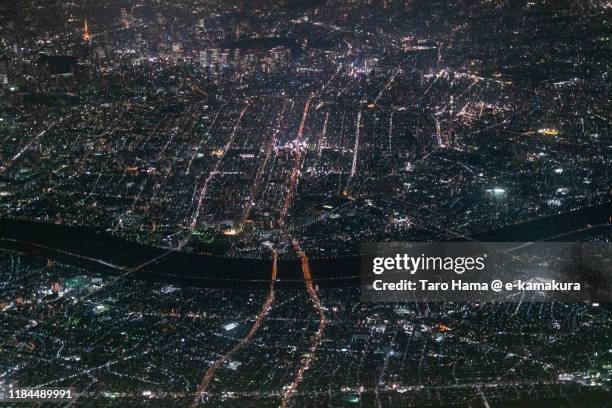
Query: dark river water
{"x": 103, "y": 253}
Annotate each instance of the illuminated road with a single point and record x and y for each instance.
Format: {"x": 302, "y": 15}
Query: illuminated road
{"x": 318, "y": 337}
{"x": 293, "y": 178}
{"x": 27, "y": 147}
{"x": 387, "y": 85}
{"x": 356, "y": 147}
{"x": 310, "y": 288}
{"x": 321, "y": 140}
{"x": 390, "y": 130}
{"x": 187, "y": 121}
{"x": 259, "y": 173}
{"x": 215, "y": 170}
{"x": 210, "y": 372}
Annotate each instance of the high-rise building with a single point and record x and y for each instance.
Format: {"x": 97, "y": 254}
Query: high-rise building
{"x": 224, "y": 59}
{"x": 204, "y": 60}
{"x": 214, "y": 55}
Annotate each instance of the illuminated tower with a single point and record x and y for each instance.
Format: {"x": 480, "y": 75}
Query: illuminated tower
{"x": 86, "y": 35}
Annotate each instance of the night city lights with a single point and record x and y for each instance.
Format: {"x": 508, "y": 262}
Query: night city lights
{"x": 187, "y": 186}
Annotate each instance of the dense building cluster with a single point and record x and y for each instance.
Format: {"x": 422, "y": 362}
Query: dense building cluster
{"x": 215, "y": 126}
{"x": 284, "y": 131}
{"x": 125, "y": 342}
